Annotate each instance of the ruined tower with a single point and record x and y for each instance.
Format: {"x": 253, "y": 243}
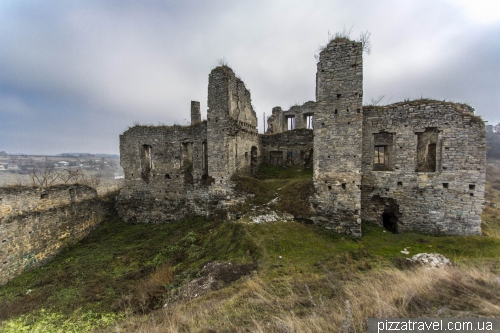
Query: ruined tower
{"x": 338, "y": 122}
{"x": 231, "y": 129}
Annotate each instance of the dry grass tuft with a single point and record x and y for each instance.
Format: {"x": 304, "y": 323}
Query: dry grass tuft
{"x": 255, "y": 305}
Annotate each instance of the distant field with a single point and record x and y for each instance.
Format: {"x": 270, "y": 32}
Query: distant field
{"x": 92, "y": 167}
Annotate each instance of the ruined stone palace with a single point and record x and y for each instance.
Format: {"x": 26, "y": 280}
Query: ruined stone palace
{"x": 414, "y": 165}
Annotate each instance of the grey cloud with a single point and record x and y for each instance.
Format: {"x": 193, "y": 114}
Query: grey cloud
{"x": 74, "y": 75}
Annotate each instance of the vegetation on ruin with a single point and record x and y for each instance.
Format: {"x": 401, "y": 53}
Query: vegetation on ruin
{"x": 163, "y": 126}
{"x": 291, "y": 187}
{"x": 120, "y": 277}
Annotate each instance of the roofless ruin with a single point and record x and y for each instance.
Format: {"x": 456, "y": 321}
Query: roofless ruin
{"x": 416, "y": 165}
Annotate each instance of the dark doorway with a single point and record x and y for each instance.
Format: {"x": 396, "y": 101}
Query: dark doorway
{"x": 253, "y": 160}
{"x": 390, "y": 222}
{"x": 276, "y": 158}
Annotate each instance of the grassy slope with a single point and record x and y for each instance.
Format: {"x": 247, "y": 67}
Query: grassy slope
{"x": 305, "y": 274}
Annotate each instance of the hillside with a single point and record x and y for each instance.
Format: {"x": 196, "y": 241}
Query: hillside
{"x": 240, "y": 276}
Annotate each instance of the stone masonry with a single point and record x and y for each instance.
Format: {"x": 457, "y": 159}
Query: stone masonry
{"x": 338, "y": 123}
{"x": 35, "y": 225}
{"x": 416, "y": 165}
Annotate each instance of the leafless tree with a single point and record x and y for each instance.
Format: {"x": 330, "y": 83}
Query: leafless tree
{"x": 47, "y": 175}
{"x": 44, "y": 176}
{"x": 364, "y": 38}
{"x": 68, "y": 176}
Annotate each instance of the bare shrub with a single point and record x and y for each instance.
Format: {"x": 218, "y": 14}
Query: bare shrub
{"x": 376, "y": 101}
{"x": 364, "y": 38}
{"x": 47, "y": 175}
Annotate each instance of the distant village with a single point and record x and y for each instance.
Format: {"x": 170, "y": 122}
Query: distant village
{"x": 103, "y": 165}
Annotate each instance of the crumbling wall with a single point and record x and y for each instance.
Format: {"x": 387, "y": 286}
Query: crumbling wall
{"x": 443, "y": 196}
{"x": 177, "y": 180}
{"x": 337, "y": 122}
{"x": 275, "y": 122}
{"x": 301, "y": 115}
{"x": 232, "y": 130}
{"x": 288, "y": 148}
{"x": 35, "y": 225}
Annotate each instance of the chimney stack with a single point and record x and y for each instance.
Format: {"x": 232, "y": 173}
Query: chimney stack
{"x": 195, "y": 113}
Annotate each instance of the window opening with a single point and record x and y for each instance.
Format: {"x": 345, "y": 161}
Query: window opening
{"x": 309, "y": 122}
{"x": 204, "y": 158}
{"x": 379, "y": 157}
{"x": 290, "y": 123}
{"x": 427, "y": 150}
{"x": 383, "y": 151}
{"x": 146, "y": 162}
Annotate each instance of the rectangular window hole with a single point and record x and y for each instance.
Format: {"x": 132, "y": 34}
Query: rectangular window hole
{"x": 472, "y": 187}
{"x": 336, "y": 111}
{"x": 358, "y": 110}
{"x": 338, "y": 95}
{"x": 446, "y": 148}
{"x": 400, "y": 183}
{"x": 343, "y": 186}
{"x": 329, "y": 188}
{"x": 446, "y": 185}
{"x": 472, "y": 194}
{"x": 44, "y": 196}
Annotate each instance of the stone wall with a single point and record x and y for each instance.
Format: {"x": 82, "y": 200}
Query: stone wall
{"x": 35, "y": 225}
{"x": 337, "y": 122}
{"x": 298, "y": 117}
{"x": 435, "y": 176}
{"x": 175, "y": 171}
{"x": 288, "y": 148}
{"x": 231, "y": 131}
{"x": 166, "y": 173}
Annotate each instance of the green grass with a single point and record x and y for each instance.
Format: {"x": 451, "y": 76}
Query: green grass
{"x": 291, "y": 185}
{"x": 105, "y": 277}
{"x": 95, "y": 274}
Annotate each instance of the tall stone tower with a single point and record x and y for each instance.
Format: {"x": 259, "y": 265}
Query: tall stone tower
{"x": 338, "y": 121}
{"x": 231, "y": 129}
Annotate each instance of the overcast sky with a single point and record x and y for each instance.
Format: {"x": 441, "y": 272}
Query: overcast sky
{"x": 76, "y": 74}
